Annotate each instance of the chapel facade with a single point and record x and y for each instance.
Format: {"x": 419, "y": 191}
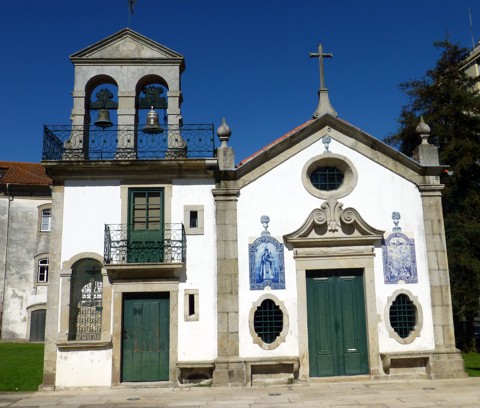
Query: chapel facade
{"x": 322, "y": 255}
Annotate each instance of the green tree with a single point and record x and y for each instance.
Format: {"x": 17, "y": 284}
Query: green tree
{"x": 449, "y": 102}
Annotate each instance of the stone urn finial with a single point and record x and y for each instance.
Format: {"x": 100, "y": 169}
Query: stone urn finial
{"x": 224, "y": 133}
{"x": 423, "y": 130}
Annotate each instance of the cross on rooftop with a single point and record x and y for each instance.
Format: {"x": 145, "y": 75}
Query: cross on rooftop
{"x": 324, "y": 105}
{"x": 321, "y": 55}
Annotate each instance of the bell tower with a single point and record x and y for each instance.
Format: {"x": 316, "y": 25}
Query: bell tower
{"x": 125, "y": 80}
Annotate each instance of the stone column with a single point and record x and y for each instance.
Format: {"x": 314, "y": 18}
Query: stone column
{"x": 229, "y": 368}
{"x": 126, "y": 137}
{"x": 177, "y": 147}
{"x": 76, "y": 147}
{"x": 447, "y": 361}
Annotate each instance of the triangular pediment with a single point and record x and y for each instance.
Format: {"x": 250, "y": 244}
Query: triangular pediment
{"x": 313, "y": 131}
{"x": 126, "y": 45}
{"x": 331, "y": 225}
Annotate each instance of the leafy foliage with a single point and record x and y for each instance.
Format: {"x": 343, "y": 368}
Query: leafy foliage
{"x": 449, "y": 101}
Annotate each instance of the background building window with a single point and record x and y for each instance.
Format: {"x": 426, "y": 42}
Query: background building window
{"x": 42, "y": 271}
{"x": 46, "y": 220}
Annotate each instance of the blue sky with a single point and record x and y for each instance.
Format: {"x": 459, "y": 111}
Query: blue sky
{"x": 245, "y": 60}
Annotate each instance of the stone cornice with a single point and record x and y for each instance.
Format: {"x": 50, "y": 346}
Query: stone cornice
{"x": 226, "y": 194}
{"x": 130, "y": 169}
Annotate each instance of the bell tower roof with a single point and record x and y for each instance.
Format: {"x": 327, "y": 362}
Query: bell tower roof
{"x": 128, "y": 46}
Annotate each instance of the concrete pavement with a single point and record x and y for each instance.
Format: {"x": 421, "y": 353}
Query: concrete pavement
{"x": 365, "y": 393}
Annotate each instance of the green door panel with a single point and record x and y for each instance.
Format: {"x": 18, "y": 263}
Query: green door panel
{"x": 353, "y": 328}
{"x": 336, "y": 323}
{"x": 322, "y": 351}
{"x": 145, "y": 344}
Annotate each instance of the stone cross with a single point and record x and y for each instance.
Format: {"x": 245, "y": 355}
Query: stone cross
{"x": 321, "y": 55}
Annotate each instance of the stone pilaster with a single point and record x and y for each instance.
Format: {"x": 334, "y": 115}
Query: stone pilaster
{"x": 229, "y": 368}
{"x": 51, "y": 323}
{"x": 447, "y": 361}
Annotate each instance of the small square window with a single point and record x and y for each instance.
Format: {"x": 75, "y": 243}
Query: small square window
{"x": 193, "y": 219}
{"x": 191, "y": 305}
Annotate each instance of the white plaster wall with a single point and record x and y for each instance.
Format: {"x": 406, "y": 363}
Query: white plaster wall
{"x": 281, "y": 195}
{"x": 197, "y": 340}
{"x": 85, "y": 368}
{"x": 88, "y": 206}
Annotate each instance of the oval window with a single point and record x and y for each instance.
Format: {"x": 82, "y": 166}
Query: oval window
{"x": 403, "y": 316}
{"x": 268, "y": 321}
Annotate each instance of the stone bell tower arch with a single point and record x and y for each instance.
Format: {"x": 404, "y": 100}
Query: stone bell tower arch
{"x": 127, "y": 59}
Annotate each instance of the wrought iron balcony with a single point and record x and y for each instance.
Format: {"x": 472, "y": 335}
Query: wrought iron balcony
{"x": 125, "y": 245}
{"x": 127, "y": 142}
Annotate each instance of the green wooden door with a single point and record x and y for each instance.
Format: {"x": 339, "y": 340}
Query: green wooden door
{"x": 337, "y": 342}
{"x": 145, "y": 344}
{"x": 37, "y": 325}
{"x": 145, "y": 226}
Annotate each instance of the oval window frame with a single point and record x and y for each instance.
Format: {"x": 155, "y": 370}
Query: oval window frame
{"x": 330, "y": 160}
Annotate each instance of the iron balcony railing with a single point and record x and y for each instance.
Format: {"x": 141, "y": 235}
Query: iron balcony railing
{"x": 127, "y": 142}
{"x": 124, "y": 245}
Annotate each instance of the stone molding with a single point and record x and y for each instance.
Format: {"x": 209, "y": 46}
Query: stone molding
{"x": 329, "y": 159}
{"x": 331, "y": 225}
{"x": 286, "y": 322}
{"x": 418, "y": 317}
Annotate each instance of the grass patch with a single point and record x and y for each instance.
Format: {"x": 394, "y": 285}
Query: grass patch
{"x": 21, "y": 366}
{"x": 472, "y": 364}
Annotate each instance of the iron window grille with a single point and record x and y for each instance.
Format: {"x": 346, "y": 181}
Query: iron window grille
{"x": 268, "y": 321}
{"x": 327, "y": 178}
{"x": 403, "y": 315}
{"x": 86, "y": 292}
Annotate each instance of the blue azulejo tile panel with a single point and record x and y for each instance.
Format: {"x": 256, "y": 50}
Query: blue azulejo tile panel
{"x": 399, "y": 261}
{"x": 266, "y": 263}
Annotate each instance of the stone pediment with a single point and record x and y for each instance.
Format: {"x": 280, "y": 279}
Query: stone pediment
{"x": 126, "y": 45}
{"x": 331, "y": 225}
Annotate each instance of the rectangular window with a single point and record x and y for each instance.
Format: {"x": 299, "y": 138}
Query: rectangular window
{"x": 42, "y": 271}
{"x": 193, "y": 219}
{"x": 191, "y": 305}
{"x": 46, "y": 220}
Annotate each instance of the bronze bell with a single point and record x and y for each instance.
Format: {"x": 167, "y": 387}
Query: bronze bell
{"x": 153, "y": 126}
{"x": 103, "y": 119}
